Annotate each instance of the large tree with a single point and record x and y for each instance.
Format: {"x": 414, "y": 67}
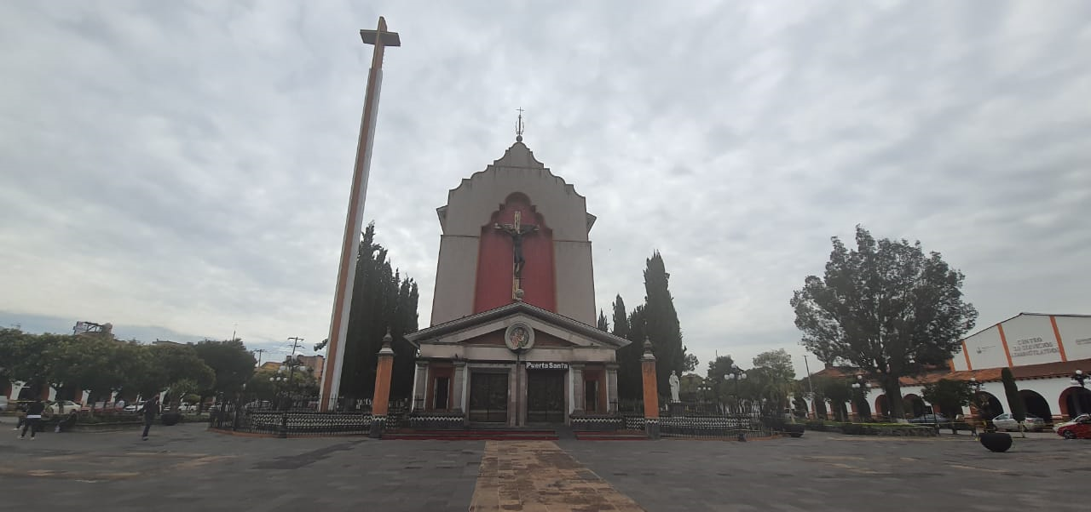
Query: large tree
{"x": 663, "y": 328}
{"x": 950, "y": 396}
{"x": 885, "y": 307}
{"x": 630, "y": 372}
{"x": 230, "y": 362}
{"x": 381, "y": 301}
{"x": 628, "y": 357}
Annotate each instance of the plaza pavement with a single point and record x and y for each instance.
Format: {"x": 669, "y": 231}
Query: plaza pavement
{"x": 187, "y": 468}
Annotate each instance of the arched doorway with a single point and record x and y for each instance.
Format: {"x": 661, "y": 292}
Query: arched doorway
{"x": 1036, "y": 405}
{"x": 1075, "y": 401}
{"x": 914, "y": 405}
{"x": 882, "y": 406}
{"x": 989, "y": 406}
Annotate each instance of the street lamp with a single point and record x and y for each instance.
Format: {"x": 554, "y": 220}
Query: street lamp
{"x": 861, "y": 387}
{"x": 735, "y": 374}
{"x": 1078, "y": 379}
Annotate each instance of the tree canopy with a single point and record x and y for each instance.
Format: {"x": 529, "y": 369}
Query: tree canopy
{"x": 884, "y": 307}
{"x": 230, "y": 362}
{"x": 949, "y": 395}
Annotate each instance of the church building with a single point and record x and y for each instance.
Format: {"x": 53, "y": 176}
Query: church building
{"x": 512, "y": 339}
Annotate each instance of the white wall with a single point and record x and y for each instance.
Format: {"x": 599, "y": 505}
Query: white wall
{"x": 1030, "y": 340}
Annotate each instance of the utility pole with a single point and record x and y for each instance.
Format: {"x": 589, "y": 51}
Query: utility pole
{"x": 259, "y": 352}
{"x": 291, "y": 360}
{"x": 808, "y": 367}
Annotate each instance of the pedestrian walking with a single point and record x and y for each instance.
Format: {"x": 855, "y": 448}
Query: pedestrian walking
{"x": 34, "y": 417}
{"x": 150, "y": 409}
{"x": 21, "y": 414}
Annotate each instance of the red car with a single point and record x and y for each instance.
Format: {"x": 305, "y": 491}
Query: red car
{"x": 1078, "y": 428}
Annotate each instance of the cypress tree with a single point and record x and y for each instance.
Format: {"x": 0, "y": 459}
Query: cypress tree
{"x": 380, "y": 301}
{"x": 1015, "y": 401}
{"x": 663, "y": 328}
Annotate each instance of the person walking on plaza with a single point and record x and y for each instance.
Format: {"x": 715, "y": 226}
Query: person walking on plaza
{"x": 21, "y": 414}
{"x": 34, "y": 417}
{"x": 150, "y": 409}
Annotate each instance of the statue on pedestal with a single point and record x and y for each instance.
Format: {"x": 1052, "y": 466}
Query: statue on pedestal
{"x": 674, "y": 387}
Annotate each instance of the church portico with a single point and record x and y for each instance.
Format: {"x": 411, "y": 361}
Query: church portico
{"x": 515, "y": 365}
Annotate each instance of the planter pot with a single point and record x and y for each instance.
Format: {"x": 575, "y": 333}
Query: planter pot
{"x": 794, "y": 429}
{"x": 171, "y": 418}
{"x": 995, "y": 441}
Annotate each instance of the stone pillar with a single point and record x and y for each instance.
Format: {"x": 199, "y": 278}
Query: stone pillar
{"x": 578, "y": 394}
{"x": 611, "y": 387}
{"x": 457, "y": 389}
{"x": 380, "y": 402}
{"x": 420, "y": 385}
{"x": 651, "y": 392}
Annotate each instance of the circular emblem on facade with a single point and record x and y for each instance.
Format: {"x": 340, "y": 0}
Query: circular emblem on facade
{"x": 519, "y": 337}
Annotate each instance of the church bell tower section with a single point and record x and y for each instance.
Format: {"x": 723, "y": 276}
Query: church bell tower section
{"x": 514, "y": 231}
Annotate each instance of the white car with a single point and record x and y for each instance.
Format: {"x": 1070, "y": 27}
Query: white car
{"x": 68, "y": 405}
{"x": 1007, "y": 422}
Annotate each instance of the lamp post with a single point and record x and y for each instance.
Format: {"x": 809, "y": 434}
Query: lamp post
{"x": 1078, "y": 379}
{"x": 860, "y": 387}
{"x": 976, "y": 387}
{"x": 736, "y": 374}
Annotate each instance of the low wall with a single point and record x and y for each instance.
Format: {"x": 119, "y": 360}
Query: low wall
{"x": 597, "y": 422}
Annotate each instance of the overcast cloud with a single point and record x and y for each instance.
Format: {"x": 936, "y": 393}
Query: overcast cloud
{"x": 181, "y": 168}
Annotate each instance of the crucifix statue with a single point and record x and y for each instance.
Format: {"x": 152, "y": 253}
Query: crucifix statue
{"x": 516, "y": 231}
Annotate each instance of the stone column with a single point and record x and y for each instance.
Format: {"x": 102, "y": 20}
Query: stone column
{"x": 420, "y": 385}
{"x": 651, "y": 392}
{"x": 611, "y": 387}
{"x": 578, "y": 395}
{"x": 457, "y": 389}
{"x": 381, "y": 401}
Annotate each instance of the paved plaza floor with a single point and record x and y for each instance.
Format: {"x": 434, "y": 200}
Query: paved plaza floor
{"x": 186, "y": 468}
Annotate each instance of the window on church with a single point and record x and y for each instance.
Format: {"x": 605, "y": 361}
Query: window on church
{"x": 591, "y": 396}
{"x": 443, "y": 386}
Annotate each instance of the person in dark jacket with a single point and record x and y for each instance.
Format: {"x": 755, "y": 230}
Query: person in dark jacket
{"x": 150, "y": 409}
{"x": 34, "y": 417}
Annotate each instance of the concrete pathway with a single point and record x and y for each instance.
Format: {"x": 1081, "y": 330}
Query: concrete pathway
{"x": 539, "y": 476}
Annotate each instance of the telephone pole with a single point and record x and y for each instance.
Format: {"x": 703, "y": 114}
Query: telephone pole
{"x": 259, "y": 352}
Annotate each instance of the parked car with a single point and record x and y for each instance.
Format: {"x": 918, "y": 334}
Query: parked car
{"x": 930, "y": 418}
{"x": 133, "y": 407}
{"x": 55, "y": 407}
{"x": 1078, "y": 428}
{"x": 1007, "y": 422}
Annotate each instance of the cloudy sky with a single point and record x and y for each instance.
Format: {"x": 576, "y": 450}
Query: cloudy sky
{"x": 182, "y": 169}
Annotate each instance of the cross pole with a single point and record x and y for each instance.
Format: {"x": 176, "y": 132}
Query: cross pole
{"x": 350, "y": 244}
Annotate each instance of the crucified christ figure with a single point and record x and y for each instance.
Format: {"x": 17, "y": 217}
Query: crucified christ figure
{"x": 516, "y": 231}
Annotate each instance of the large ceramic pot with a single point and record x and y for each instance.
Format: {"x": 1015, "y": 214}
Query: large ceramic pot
{"x": 996, "y": 441}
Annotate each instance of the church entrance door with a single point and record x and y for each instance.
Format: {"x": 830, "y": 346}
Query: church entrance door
{"x": 545, "y": 396}
{"x": 488, "y": 397}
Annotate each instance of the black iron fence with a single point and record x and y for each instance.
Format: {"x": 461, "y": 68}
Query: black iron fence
{"x": 294, "y": 423}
